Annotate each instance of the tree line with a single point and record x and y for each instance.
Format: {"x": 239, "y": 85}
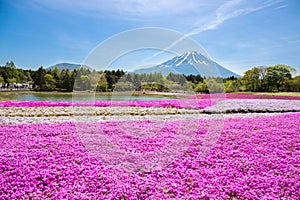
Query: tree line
{"x": 277, "y": 78}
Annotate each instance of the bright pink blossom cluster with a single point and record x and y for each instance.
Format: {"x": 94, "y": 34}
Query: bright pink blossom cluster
{"x": 254, "y": 158}
{"x": 176, "y": 103}
{"x": 246, "y": 96}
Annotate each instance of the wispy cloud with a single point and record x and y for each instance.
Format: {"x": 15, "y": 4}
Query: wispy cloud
{"x": 229, "y": 10}
{"x": 226, "y": 11}
{"x": 194, "y": 10}
{"x": 291, "y": 39}
{"x": 206, "y": 15}
{"x": 281, "y": 7}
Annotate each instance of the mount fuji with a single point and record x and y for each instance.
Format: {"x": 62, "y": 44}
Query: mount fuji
{"x": 190, "y": 63}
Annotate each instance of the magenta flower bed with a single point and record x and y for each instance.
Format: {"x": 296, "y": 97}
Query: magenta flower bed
{"x": 246, "y": 96}
{"x": 255, "y": 158}
{"x": 176, "y": 103}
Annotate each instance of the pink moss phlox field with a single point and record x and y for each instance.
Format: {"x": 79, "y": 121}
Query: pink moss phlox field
{"x": 254, "y": 158}
{"x": 143, "y": 136}
{"x": 246, "y": 96}
{"x": 176, "y": 103}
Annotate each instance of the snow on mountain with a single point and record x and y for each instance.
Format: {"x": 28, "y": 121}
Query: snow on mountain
{"x": 190, "y": 63}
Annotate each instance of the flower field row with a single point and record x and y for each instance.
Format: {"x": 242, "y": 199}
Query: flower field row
{"x": 175, "y": 103}
{"x": 45, "y": 111}
{"x": 227, "y": 106}
{"x": 99, "y": 118}
{"x": 254, "y": 105}
{"x": 253, "y": 158}
{"x": 246, "y": 96}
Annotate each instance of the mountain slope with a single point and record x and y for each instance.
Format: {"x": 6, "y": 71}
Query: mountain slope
{"x": 190, "y": 63}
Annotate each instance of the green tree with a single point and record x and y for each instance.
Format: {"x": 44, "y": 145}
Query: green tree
{"x": 294, "y": 84}
{"x": 50, "y": 82}
{"x": 214, "y": 85}
{"x": 2, "y": 82}
{"x": 66, "y": 81}
{"x": 56, "y": 75}
{"x": 177, "y": 78}
{"x": 262, "y": 78}
{"x": 194, "y": 78}
{"x": 39, "y": 78}
{"x": 168, "y": 85}
{"x": 201, "y": 87}
{"x": 28, "y": 76}
{"x": 228, "y": 85}
{"x": 251, "y": 79}
{"x": 122, "y": 86}
{"x": 278, "y": 76}
{"x": 102, "y": 84}
{"x": 22, "y": 76}
{"x": 84, "y": 82}
{"x": 12, "y": 80}
{"x": 233, "y": 85}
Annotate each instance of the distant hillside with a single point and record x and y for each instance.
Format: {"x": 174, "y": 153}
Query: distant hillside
{"x": 68, "y": 66}
{"x": 190, "y": 63}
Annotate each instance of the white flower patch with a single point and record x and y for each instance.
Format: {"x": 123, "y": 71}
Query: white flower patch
{"x": 254, "y": 105}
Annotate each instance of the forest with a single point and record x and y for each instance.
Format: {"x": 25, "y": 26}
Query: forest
{"x": 277, "y": 78}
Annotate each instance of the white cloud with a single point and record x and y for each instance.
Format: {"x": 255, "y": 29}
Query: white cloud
{"x": 232, "y": 9}
{"x": 281, "y": 7}
{"x": 207, "y": 15}
{"x": 226, "y": 11}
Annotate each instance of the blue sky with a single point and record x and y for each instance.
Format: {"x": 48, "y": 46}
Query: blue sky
{"x": 238, "y": 34}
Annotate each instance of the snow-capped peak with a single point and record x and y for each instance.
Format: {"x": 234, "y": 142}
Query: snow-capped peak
{"x": 192, "y": 62}
{"x": 191, "y": 57}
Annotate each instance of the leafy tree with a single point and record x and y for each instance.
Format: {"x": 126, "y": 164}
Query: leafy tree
{"x": 112, "y": 77}
{"x": 251, "y": 79}
{"x": 294, "y": 84}
{"x": 194, "y": 78}
{"x": 2, "y": 81}
{"x": 66, "y": 82}
{"x": 102, "y": 84}
{"x": 122, "y": 86}
{"x": 50, "y": 82}
{"x": 22, "y": 77}
{"x": 228, "y": 85}
{"x": 56, "y": 74}
{"x": 84, "y": 82}
{"x": 136, "y": 80}
{"x": 278, "y": 76}
{"x": 12, "y": 80}
{"x": 177, "y": 78}
{"x": 262, "y": 77}
{"x": 201, "y": 87}
{"x": 233, "y": 85}
{"x": 29, "y": 79}
{"x": 9, "y": 73}
{"x": 214, "y": 86}
{"x": 39, "y": 77}
{"x": 171, "y": 86}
